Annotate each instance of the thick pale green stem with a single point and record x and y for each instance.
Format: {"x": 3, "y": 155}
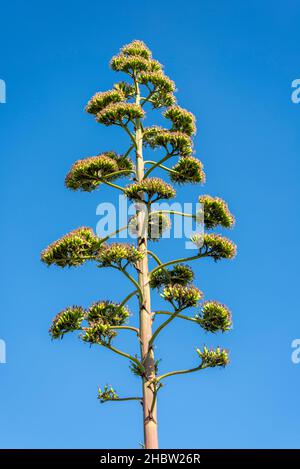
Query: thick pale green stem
{"x": 150, "y": 412}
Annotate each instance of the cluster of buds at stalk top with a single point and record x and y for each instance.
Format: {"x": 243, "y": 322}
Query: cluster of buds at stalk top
{"x": 174, "y": 142}
{"x": 211, "y": 358}
{"x": 183, "y": 296}
{"x": 216, "y": 212}
{"x": 182, "y": 120}
{"x": 214, "y": 317}
{"x": 113, "y": 255}
{"x": 152, "y": 187}
{"x": 97, "y": 321}
{"x": 157, "y": 224}
{"x": 88, "y": 173}
{"x": 180, "y": 274}
{"x": 108, "y": 394}
{"x": 73, "y": 249}
{"x": 133, "y": 58}
{"x": 188, "y": 170}
{"x": 214, "y": 245}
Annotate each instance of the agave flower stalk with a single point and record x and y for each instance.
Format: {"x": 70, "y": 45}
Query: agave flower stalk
{"x": 125, "y": 106}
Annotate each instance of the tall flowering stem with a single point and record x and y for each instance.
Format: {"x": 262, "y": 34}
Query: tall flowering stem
{"x": 124, "y": 106}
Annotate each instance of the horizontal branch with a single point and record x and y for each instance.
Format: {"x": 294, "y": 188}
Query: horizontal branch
{"x": 174, "y": 212}
{"x": 181, "y": 316}
{"x": 123, "y": 399}
{"x": 129, "y": 328}
{"x": 180, "y": 372}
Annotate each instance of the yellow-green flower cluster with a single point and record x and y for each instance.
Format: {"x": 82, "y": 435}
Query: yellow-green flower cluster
{"x": 214, "y": 317}
{"x": 184, "y": 296}
{"x": 118, "y": 113}
{"x": 215, "y": 246}
{"x": 73, "y": 249}
{"x": 88, "y": 173}
{"x": 174, "y": 142}
{"x": 158, "y": 223}
{"x": 68, "y": 320}
{"x": 188, "y": 170}
{"x": 162, "y": 88}
{"x": 125, "y": 88}
{"x": 136, "y": 48}
{"x": 102, "y": 317}
{"x": 108, "y": 394}
{"x": 180, "y": 274}
{"x": 216, "y": 212}
{"x": 98, "y": 333}
{"x": 152, "y": 187}
{"x": 134, "y": 58}
{"x": 182, "y": 120}
{"x": 114, "y": 254}
{"x": 100, "y": 100}
{"x": 107, "y": 312}
{"x": 212, "y": 358}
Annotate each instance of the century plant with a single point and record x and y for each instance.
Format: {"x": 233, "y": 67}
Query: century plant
{"x": 124, "y": 106}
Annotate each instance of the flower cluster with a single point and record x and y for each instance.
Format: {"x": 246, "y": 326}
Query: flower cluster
{"x": 136, "y": 48}
{"x": 184, "y": 296}
{"x": 101, "y": 318}
{"x": 212, "y": 358}
{"x": 115, "y": 113}
{"x": 113, "y": 255}
{"x": 152, "y": 187}
{"x": 73, "y": 249}
{"x": 88, "y": 173}
{"x": 162, "y": 88}
{"x": 100, "y": 100}
{"x": 182, "y": 120}
{"x": 134, "y": 64}
{"x": 215, "y": 246}
{"x": 68, "y": 320}
{"x": 108, "y": 394}
{"x": 98, "y": 333}
{"x": 158, "y": 223}
{"x": 216, "y": 212}
{"x": 188, "y": 170}
{"x": 173, "y": 141}
{"x": 125, "y": 88}
{"x": 180, "y": 274}
{"x": 107, "y": 312}
{"x": 214, "y": 317}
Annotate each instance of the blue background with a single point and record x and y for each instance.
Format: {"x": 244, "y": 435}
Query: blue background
{"x": 233, "y": 63}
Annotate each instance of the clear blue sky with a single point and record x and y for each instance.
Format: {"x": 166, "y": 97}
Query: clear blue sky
{"x": 233, "y": 63}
